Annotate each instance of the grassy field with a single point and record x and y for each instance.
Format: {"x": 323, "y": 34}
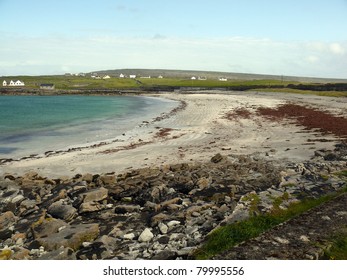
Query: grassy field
{"x": 76, "y": 82}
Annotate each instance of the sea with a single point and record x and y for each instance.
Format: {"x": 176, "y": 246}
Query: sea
{"x": 33, "y": 125}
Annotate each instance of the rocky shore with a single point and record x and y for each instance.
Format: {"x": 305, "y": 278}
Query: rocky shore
{"x": 162, "y": 212}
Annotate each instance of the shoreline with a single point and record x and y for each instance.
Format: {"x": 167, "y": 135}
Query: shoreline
{"x": 196, "y": 131}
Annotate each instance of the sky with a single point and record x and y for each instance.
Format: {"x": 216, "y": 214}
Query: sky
{"x": 287, "y": 37}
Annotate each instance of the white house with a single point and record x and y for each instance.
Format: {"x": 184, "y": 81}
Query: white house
{"x": 160, "y": 77}
{"x": 132, "y": 76}
{"x": 106, "y": 77}
{"x": 223, "y": 79}
{"x": 193, "y": 78}
{"x": 19, "y": 83}
{"x": 121, "y": 75}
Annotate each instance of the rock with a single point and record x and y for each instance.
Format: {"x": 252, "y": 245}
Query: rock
{"x": 108, "y": 179}
{"x": 60, "y": 210}
{"x": 165, "y": 255}
{"x": 46, "y": 227}
{"x": 72, "y": 236}
{"x": 163, "y": 228}
{"x": 173, "y": 224}
{"x": 129, "y": 236}
{"x": 122, "y": 209}
{"x": 217, "y": 158}
{"x": 95, "y": 195}
{"x": 90, "y": 206}
{"x": 59, "y": 254}
{"x": 7, "y": 219}
{"x": 146, "y": 235}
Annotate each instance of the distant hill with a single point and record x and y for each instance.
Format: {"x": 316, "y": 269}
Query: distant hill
{"x": 186, "y": 74}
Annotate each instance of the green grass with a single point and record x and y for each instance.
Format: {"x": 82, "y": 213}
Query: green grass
{"x": 228, "y": 236}
{"x": 338, "y": 249}
{"x": 63, "y": 82}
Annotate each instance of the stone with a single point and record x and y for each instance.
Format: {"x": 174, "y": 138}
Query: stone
{"x": 217, "y": 158}
{"x": 163, "y": 228}
{"x": 47, "y": 226}
{"x": 6, "y": 220}
{"x": 165, "y": 255}
{"x": 146, "y": 235}
{"x": 122, "y": 209}
{"x": 59, "y": 254}
{"x": 95, "y": 195}
{"x": 90, "y": 206}
{"x": 173, "y": 223}
{"x": 108, "y": 179}
{"x": 71, "y": 236}
{"x": 129, "y": 236}
{"x": 62, "y": 211}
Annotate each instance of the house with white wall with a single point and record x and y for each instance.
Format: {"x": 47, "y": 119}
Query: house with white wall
{"x": 132, "y": 76}
{"x": 18, "y": 83}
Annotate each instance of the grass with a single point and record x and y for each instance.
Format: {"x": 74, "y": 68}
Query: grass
{"x": 338, "y": 249}
{"x": 228, "y": 236}
{"x": 63, "y": 82}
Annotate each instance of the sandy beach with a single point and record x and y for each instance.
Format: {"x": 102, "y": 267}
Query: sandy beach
{"x": 208, "y": 124}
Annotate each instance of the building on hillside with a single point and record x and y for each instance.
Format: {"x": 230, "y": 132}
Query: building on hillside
{"x": 47, "y": 86}
{"x": 160, "y": 77}
{"x": 146, "y": 77}
{"x": 222, "y": 79}
{"x": 121, "y": 75}
{"x": 132, "y": 76}
{"x": 18, "y": 83}
{"x": 193, "y": 78}
{"x": 106, "y": 77}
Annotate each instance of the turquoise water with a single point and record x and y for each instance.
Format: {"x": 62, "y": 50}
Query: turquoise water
{"x": 35, "y": 124}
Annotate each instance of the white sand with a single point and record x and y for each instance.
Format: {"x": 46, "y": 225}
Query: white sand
{"x": 199, "y": 132}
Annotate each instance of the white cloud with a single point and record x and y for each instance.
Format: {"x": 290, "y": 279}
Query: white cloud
{"x": 337, "y": 48}
{"x": 236, "y": 54}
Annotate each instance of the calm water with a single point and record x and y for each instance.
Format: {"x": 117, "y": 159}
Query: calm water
{"x": 35, "y": 124}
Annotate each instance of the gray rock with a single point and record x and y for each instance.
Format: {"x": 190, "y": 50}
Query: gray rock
{"x": 59, "y": 254}
{"x": 95, "y": 195}
{"x": 163, "y": 228}
{"x": 60, "y": 210}
{"x": 146, "y": 235}
{"x": 72, "y": 236}
{"x": 165, "y": 255}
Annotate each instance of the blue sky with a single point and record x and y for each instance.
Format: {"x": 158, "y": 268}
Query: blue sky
{"x": 303, "y": 37}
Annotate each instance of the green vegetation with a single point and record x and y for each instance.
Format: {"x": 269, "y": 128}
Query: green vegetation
{"x": 338, "y": 249}
{"x": 63, "y": 82}
{"x": 228, "y": 236}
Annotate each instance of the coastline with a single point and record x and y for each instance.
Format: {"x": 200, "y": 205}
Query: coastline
{"x": 195, "y": 131}
{"x": 160, "y": 195}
